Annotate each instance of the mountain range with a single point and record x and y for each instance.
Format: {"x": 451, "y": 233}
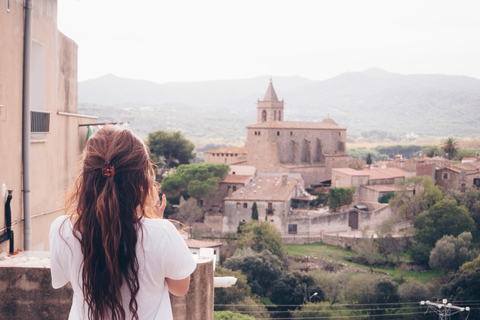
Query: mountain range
{"x": 218, "y": 111}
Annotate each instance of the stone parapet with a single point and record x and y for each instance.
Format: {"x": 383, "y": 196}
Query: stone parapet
{"x": 26, "y": 290}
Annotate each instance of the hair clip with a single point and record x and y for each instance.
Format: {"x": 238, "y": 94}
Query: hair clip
{"x": 108, "y": 170}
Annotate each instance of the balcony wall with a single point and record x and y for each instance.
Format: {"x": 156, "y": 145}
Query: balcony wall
{"x": 26, "y": 291}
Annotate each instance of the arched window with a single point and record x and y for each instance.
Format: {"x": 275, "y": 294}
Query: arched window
{"x": 275, "y": 115}
{"x": 264, "y": 115}
{"x": 279, "y": 115}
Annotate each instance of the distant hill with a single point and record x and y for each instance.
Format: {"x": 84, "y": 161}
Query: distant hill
{"x": 216, "y": 111}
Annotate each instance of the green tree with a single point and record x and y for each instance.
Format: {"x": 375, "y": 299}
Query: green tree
{"x": 450, "y": 252}
{"x": 171, "y": 148}
{"x": 294, "y": 288}
{"x": 198, "y": 179}
{"x": 254, "y": 211}
{"x": 262, "y": 269}
{"x": 471, "y": 200}
{"x": 338, "y": 197}
{"x": 415, "y": 195}
{"x": 386, "y": 197}
{"x": 369, "y": 158}
{"x": 450, "y": 147}
{"x": 367, "y": 250}
{"x": 444, "y": 218}
{"x": 235, "y": 293}
{"x": 386, "y": 243}
{"x": 260, "y": 236}
{"x": 465, "y": 285}
{"x": 415, "y": 291}
{"x": 432, "y": 151}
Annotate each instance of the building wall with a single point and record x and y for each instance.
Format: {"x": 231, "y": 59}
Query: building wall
{"x": 234, "y": 215}
{"x": 311, "y": 152}
{"x": 452, "y": 180}
{"x": 227, "y": 158}
{"x": 54, "y": 156}
{"x": 369, "y": 195}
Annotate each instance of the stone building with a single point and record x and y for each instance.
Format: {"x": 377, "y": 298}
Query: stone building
{"x": 371, "y": 184}
{"x": 55, "y": 139}
{"x": 272, "y": 194}
{"x": 459, "y": 176}
{"x": 311, "y": 149}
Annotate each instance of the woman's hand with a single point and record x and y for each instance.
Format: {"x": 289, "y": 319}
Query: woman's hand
{"x": 160, "y": 208}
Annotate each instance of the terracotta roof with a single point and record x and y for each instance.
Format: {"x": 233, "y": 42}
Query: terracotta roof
{"x": 235, "y": 178}
{"x": 296, "y": 125}
{"x": 383, "y": 187}
{"x": 192, "y": 243}
{"x": 265, "y": 188}
{"x": 271, "y": 95}
{"x": 374, "y": 174}
{"x": 227, "y": 150}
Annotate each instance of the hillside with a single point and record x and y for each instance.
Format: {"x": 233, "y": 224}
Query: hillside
{"x": 218, "y": 111}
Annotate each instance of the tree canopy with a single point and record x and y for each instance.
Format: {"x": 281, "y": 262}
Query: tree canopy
{"x": 338, "y": 197}
{"x": 198, "y": 179}
{"x": 444, "y": 218}
{"x": 450, "y": 252}
{"x": 415, "y": 195}
{"x": 450, "y": 147}
{"x": 170, "y": 147}
{"x": 262, "y": 269}
{"x": 260, "y": 236}
{"x": 290, "y": 289}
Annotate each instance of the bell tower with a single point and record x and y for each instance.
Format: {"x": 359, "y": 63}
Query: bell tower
{"x": 270, "y": 109}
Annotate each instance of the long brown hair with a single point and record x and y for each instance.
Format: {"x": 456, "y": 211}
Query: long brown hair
{"x": 115, "y": 186}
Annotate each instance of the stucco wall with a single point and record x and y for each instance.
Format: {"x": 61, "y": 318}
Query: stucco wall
{"x": 54, "y": 156}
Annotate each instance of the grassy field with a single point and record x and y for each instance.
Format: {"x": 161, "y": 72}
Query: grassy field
{"x": 342, "y": 255}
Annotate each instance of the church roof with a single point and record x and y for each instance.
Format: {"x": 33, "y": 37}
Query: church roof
{"x": 330, "y": 124}
{"x": 271, "y": 95}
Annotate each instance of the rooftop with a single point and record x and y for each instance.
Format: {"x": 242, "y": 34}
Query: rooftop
{"x": 192, "y": 243}
{"x": 383, "y": 187}
{"x": 236, "y": 178}
{"x": 374, "y": 174}
{"x": 265, "y": 188}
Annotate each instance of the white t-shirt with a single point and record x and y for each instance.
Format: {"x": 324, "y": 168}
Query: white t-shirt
{"x": 161, "y": 253}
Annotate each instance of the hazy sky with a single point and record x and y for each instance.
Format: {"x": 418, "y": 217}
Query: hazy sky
{"x": 194, "y": 40}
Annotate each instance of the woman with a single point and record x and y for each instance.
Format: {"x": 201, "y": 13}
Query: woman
{"x": 120, "y": 260}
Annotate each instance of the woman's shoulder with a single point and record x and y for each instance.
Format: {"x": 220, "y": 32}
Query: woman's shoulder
{"x": 158, "y": 223}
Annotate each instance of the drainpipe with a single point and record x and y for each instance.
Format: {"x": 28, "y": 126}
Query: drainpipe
{"x": 27, "y": 62}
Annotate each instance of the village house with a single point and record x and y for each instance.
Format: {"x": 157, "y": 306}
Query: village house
{"x": 370, "y": 184}
{"x": 41, "y": 136}
{"x": 273, "y": 195}
{"x": 459, "y": 176}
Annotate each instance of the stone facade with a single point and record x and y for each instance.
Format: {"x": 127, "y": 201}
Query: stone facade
{"x": 53, "y": 155}
{"x": 311, "y": 149}
{"x": 459, "y": 176}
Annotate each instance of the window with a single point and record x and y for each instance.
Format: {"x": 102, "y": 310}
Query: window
{"x": 214, "y": 252}
{"x": 258, "y": 132}
{"x": 279, "y": 115}
{"x": 245, "y": 205}
{"x": 278, "y": 133}
{"x": 292, "y": 229}
{"x": 238, "y": 205}
{"x": 476, "y": 182}
{"x": 275, "y": 115}
{"x": 445, "y": 176}
{"x": 255, "y": 132}
{"x": 40, "y": 122}
{"x": 234, "y": 188}
{"x": 264, "y": 115}
{"x": 291, "y": 133}
{"x": 270, "y": 208}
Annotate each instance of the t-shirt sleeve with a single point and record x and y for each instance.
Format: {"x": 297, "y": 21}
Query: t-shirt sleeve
{"x": 58, "y": 254}
{"x": 178, "y": 260}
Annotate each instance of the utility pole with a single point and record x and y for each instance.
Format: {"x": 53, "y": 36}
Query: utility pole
{"x": 444, "y": 310}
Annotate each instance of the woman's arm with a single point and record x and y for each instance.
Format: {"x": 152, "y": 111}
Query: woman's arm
{"x": 178, "y": 287}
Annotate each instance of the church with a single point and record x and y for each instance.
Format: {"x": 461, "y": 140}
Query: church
{"x": 273, "y": 145}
